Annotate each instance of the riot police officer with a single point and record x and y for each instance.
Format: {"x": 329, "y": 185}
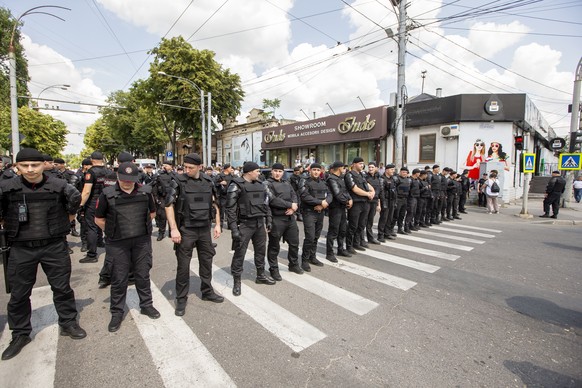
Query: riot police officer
{"x": 412, "y": 202}
{"x": 421, "y": 207}
{"x": 340, "y": 202}
{"x": 94, "y": 183}
{"x": 190, "y": 209}
{"x": 85, "y": 166}
{"x": 161, "y": 186}
{"x": 222, "y": 181}
{"x": 554, "y": 190}
{"x": 434, "y": 180}
{"x": 388, "y": 204}
{"x": 284, "y": 204}
{"x": 376, "y": 182}
{"x": 148, "y": 176}
{"x": 449, "y": 193}
{"x": 125, "y": 211}
{"x": 248, "y": 214}
{"x": 465, "y": 188}
{"x": 36, "y": 210}
{"x": 361, "y": 193}
{"x": 72, "y": 179}
{"x": 403, "y": 183}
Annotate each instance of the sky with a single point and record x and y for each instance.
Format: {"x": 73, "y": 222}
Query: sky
{"x": 317, "y": 57}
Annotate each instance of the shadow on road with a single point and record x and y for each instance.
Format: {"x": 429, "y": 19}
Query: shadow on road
{"x": 546, "y": 311}
{"x": 534, "y": 376}
{"x": 563, "y": 246}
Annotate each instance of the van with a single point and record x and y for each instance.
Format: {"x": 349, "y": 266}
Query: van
{"x": 140, "y": 163}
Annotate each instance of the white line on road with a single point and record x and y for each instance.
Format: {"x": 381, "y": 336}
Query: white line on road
{"x": 289, "y": 328}
{"x": 35, "y": 366}
{"x": 181, "y": 358}
{"x": 422, "y": 251}
{"x": 435, "y": 242}
{"x": 474, "y": 227}
{"x": 343, "y": 298}
{"x": 462, "y": 232}
{"x": 451, "y": 238}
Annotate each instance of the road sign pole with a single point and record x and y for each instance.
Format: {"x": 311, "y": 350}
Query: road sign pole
{"x": 574, "y": 124}
{"x": 526, "y": 179}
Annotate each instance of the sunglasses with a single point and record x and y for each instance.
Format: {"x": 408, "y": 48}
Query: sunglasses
{"x": 479, "y": 144}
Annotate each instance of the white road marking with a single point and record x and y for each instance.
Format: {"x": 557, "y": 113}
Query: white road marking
{"x": 451, "y": 238}
{"x": 422, "y": 251}
{"x": 435, "y": 242}
{"x": 474, "y": 227}
{"x": 462, "y": 232}
{"x": 180, "y": 357}
{"x": 35, "y": 366}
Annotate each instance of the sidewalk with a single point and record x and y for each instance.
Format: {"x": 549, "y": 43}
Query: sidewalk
{"x": 571, "y": 215}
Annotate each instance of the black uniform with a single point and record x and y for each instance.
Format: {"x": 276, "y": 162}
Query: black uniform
{"x": 128, "y": 227}
{"x": 160, "y": 189}
{"x": 294, "y": 181}
{"x": 313, "y": 191}
{"x": 357, "y": 214}
{"x": 221, "y": 190}
{"x": 465, "y": 187}
{"x": 280, "y": 197}
{"x": 194, "y": 211}
{"x": 422, "y": 218}
{"x": 337, "y": 227}
{"x": 388, "y": 203}
{"x": 554, "y": 190}
{"x": 411, "y": 204}
{"x": 377, "y": 182}
{"x": 402, "y": 194}
{"x": 452, "y": 194}
{"x": 95, "y": 176}
{"x": 38, "y": 238}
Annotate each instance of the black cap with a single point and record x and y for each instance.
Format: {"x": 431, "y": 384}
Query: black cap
{"x": 404, "y": 169}
{"x": 336, "y": 164}
{"x": 97, "y": 155}
{"x": 415, "y": 171}
{"x": 435, "y": 166}
{"x": 297, "y": 168}
{"x": 250, "y": 166}
{"x": 423, "y": 172}
{"x": 29, "y": 155}
{"x": 226, "y": 165}
{"x": 59, "y": 160}
{"x": 556, "y": 172}
{"x": 148, "y": 166}
{"x": 193, "y": 158}
{"x": 357, "y": 159}
{"x": 86, "y": 162}
{"x": 128, "y": 171}
{"x": 278, "y": 166}
{"x": 47, "y": 158}
{"x": 168, "y": 162}
{"x": 390, "y": 165}
{"x": 315, "y": 165}
{"x": 124, "y": 157}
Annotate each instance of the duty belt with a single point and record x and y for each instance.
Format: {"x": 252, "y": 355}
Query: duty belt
{"x": 36, "y": 243}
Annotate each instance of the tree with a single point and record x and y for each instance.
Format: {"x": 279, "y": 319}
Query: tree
{"x": 99, "y": 137}
{"x": 38, "y": 130}
{"x": 177, "y": 57}
{"x": 7, "y": 22}
{"x": 270, "y": 104}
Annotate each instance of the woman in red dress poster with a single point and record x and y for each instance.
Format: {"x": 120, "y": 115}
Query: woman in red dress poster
{"x": 474, "y": 159}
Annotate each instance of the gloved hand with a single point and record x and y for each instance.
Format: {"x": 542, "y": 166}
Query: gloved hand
{"x": 235, "y": 232}
{"x": 269, "y": 227}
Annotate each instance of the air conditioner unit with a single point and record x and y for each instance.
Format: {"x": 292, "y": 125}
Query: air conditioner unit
{"x": 451, "y": 130}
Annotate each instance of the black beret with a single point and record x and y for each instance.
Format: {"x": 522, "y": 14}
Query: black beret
{"x": 447, "y": 169}
{"x": 315, "y": 165}
{"x": 124, "y": 157}
{"x": 59, "y": 160}
{"x": 424, "y": 172}
{"x": 86, "y": 162}
{"x": 193, "y": 159}
{"x": 435, "y": 166}
{"x": 227, "y": 165}
{"x": 278, "y": 166}
{"x": 168, "y": 162}
{"x": 47, "y": 158}
{"x": 29, "y": 155}
{"x": 404, "y": 169}
{"x": 297, "y": 168}
{"x": 97, "y": 155}
{"x": 336, "y": 164}
{"x": 415, "y": 171}
{"x": 250, "y": 166}
{"x": 465, "y": 171}
{"x": 390, "y": 165}
{"x": 357, "y": 159}
{"x": 556, "y": 172}
{"x": 427, "y": 167}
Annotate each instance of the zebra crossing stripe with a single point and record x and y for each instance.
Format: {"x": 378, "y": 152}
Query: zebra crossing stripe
{"x": 474, "y": 227}
{"x": 35, "y": 366}
{"x": 289, "y": 328}
{"x": 462, "y": 232}
{"x": 421, "y": 251}
{"x": 180, "y": 357}
{"x": 339, "y": 296}
{"x": 435, "y": 242}
{"x": 452, "y": 238}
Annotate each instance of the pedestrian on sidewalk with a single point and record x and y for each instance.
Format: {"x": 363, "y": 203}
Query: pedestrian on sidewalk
{"x": 556, "y": 186}
{"x": 578, "y": 189}
{"x": 491, "y": 188}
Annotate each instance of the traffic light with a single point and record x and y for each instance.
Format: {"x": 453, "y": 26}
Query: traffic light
{"x": 576, "y": 141}
{"x": 263, "y": 159}
{"x": 519, "y": 143}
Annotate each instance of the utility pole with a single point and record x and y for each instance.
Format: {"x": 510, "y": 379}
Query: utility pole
{"x": 574, "y": 126}
{"x": 400, "y": 121}
{"x": 209, "y": 129}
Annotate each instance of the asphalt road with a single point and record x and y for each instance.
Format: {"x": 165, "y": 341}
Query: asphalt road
{"x": 490, "y": 300}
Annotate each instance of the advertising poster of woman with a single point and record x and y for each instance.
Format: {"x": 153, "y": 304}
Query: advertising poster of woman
{"x": 496, "y": 154}
{"x": 475, "y": 158}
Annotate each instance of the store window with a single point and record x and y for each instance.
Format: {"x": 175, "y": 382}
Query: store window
{"x": 427, "y": 147}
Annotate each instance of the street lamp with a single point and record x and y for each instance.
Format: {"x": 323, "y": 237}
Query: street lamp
{"x": 12, "y": 66}
{"x": 204, "y": 145}
{"x": 60, "y": 86}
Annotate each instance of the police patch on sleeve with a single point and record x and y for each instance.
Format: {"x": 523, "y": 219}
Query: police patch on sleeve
{"x": 87, "y": 176}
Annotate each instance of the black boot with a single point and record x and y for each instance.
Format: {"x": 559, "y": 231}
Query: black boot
{"x": 402, "y": 231}
{"x": 263, "y": 279}
{"x": 161, "y": 235}
{"x": 74, "y": 232}
{"x": 381, "y": 238}
{"x": 236, "y": 287}
{"x": 275, "y": 274}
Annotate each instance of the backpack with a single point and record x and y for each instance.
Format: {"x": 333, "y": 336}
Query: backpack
{"x": 495, "y": 187}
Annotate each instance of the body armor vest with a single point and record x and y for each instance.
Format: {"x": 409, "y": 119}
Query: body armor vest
{"x": 337, "y": 202}
{"x": 403, "y": 187}
{"x": 444, "y": 183}
{"x": 389, "y": 188}
{"x": 424, "y": 190}
{"x": 127, "y": 216}
{"x": 195, "y": 201}
{"x": 435, "y": 182}
{"x": 251, "y": 203}
{"x": 415, "y": 188}
{"x": 376, "y": 183}
{"x": 361, "y": 183}
{"x": 281, "y": 189}
{"x": 317, "y": 188}
{"x": 98, "y": 185}
{"x": 46, "y": 213}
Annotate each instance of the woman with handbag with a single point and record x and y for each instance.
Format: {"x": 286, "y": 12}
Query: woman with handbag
{"x": 491, "y": 189}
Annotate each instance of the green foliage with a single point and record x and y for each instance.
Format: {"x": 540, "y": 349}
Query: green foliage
{"x": 7, "y": 22}
{"x": 268, "y": 105}
{"x": 40, "y": 131}
{"x": 99, "y": 137}
{"x": 73, "y": 161}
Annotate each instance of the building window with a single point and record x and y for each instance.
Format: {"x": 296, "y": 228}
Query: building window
{"x": 426, "y": 150}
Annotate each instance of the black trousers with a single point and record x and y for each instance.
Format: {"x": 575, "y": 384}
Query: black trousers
{"x": 200, "y": 239}
{"x": 285, "y": 227}
{"x": 83, "y": 231}
{"x": 94, "y": 233}
{"x": 133, "y": 252}
{"x": 22, "y": 267}
{"x": 482, "y": 199}
{"x": 437, "y": 203}
{"x": 253, "y": 230}
{"x": 385, "y": 224}
{"x": 357, "y": 218}
{"x": 411, "y": 205}
{"x": 553, "y": 199}
{"x": 450, "y": 204}
{"x": 161, "y": 220}
{"x": 312, "y": 226}
{"x": 420, "y": 217}
{"x": 428, "y": 210}
{"x": 222, "y": 208}
{"x": 372, "y": 206}
{"x": 337, "y": 228}
{"x": 444, "y": 199}
{"x": 463, "y": 200}
{"x": 400, "y": 212}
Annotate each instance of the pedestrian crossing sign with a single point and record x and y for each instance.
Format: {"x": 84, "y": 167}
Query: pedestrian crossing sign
{"x": 569, "y": 162}
{"x": 529, "y": 163}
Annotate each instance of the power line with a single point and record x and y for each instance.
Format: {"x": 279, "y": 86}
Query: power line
{"x": 207, "y": 20}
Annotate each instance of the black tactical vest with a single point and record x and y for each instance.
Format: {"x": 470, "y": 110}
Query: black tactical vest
{"x": 435, "y": 182}
{"x": 389, "y": 188}
{"x": 281, "y": 189}
{"x": 195, "y": 201}
{"x": 251, "y": 203}
{"x": 424, "y": 190}
{"x": 403, "y": 187}
{"x": 317, "y": 188}
{"x": 444, "y": 183}
{"x": 100, "y": 172}
{"x": 360, "y": 182}
{"x": 46, "y": 213}
{"x": 415, "y": 188}
{"x": 376, "y": 183}
{"x": 127, "y": 216}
